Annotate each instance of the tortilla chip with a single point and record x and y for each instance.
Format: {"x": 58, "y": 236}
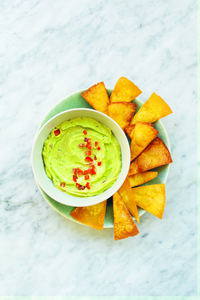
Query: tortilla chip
{"x": 92, "y": 216}
{"x": 124, "y": 91}
{"x": 121, "y": 112}
{"x": 97, "y": 97}
{"x": 124, "y": 225}
{"x": 142, "y": 137}
{"x": 151, "y": 198}
{"x": 152, "y": 110}
{"x": 130, "y": 129}
{"x": 155, "y": 155}
{"x": 126, "y": 194}
{"x": 141, "y": 178}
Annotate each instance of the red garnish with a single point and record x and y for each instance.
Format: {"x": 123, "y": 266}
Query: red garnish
{"x": 88, "y": 141}
{"x": 99, "y": 163}
{"x": 57, "y": 132}
{"x": 93, "y": 170}
{"x": 88, "y": 146}
{"x": 88, "y": 153}
{"x": 90, "y": 171}
{"x": 81, "y": 187}
{"x": 87, "y": 177}
{"x": 74, "y": 171}
{"x": 85, "y": 172}
{"x": 95, "y": 158}
{"x": 98, "y": 148}
{"x": 88, "y": 159}
{"x": 81, "y": 145}
{"x": 75, "y": 178}
{"x": 88, "y": 185}
{"x": 62, "y": 184}
{"x": 77, "y": 184}
{"x": 79, "y": 171}
{"x": 96, "y": 143}
{"x": 84, "y": 131}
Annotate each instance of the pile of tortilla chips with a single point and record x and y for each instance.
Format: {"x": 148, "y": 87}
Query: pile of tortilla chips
{"x": 148, "y": 151}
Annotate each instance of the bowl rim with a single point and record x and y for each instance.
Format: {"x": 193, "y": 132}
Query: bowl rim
{"x": 93, "y": 199}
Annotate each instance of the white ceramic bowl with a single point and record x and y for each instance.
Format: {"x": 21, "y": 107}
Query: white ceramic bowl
{"x": 38, "y": 166}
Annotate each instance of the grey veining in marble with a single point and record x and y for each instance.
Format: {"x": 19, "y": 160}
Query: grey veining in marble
{"x": 48, "y": 50}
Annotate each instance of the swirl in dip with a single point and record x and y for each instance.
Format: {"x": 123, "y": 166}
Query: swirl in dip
{"x": 82, "y": 157}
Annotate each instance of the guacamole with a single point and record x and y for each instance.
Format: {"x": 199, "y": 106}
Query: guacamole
{"x": 82, "y": 157}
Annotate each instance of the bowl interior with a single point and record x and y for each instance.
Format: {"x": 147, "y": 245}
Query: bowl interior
{"x": 75, "y": 100}
{"x": 38, "y": 165}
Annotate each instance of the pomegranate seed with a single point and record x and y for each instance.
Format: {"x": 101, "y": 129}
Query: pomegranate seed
{"x": 99, "y": 163}
{"x": 77, "y": 184}
{"x": 88, "y": 159}
{"x": 87, "y": 177}
{"x": 88, "y": 146}
{"x": 96, "y": 143}
{"x": 84, "y": 131}
{"x": 95, "y": 158}
{"x": 81, "y": 187}
{"x": 62, "y": 184}
{"x": 88, "y": 153}
{"x": 57, "y": 132}
{"x": 88, "y": 185}
{"x": 89, "y": 140}
{"x": 98, "y": 148}
{"x": 85, "y": 172}
{"x": 81, "y": 145}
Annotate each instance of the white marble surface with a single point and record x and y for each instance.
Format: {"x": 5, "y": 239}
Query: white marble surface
{"x": 48, "y": 50}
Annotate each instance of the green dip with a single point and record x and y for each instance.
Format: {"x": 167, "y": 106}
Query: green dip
{"x": 65, "y": 150}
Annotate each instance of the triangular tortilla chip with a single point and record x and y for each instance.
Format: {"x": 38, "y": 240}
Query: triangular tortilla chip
{"x": 121, "y": 112}
{"x": 141, "y": 178}
{"x": 92, "y": 216}
{"x": 152, "y": 110}
{"x": 142, "y": 137}
{"x": 124, "y": 91}
{"x": 126, "y": 194}
{"x": 124, "y": 225}
{"x": 151, "y": 198}
{"x": 130, "y": 129}
{"x": 97, "y": 97}
{"x": 155, "y": 155}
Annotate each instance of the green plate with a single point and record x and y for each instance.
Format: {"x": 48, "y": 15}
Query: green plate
{"x": 75, "y": 100}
